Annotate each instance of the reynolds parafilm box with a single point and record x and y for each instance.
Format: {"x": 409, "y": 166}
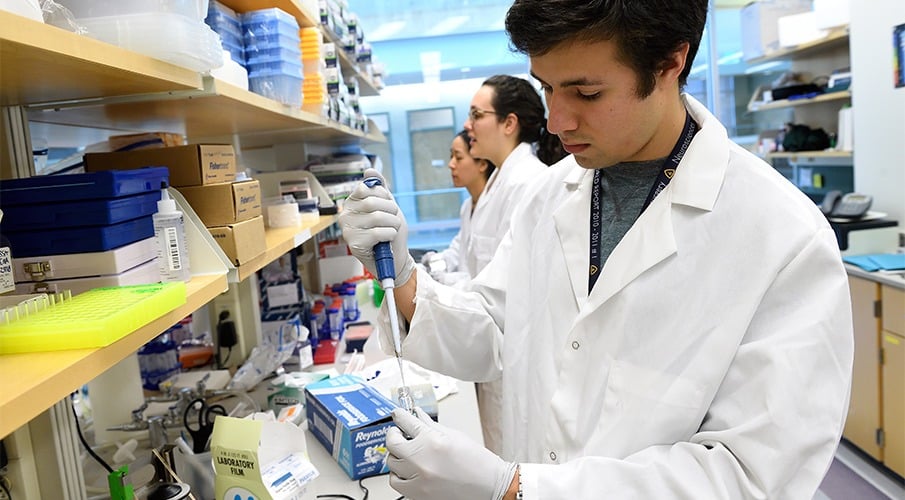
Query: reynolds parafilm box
{"x": 350, "y": 418}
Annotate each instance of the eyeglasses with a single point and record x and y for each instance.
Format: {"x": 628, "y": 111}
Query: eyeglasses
{"x": 475, "y": 114}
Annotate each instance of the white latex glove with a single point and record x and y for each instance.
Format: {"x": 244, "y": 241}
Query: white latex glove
{"x": 439, "y": 463}
{"x": 426, "y": 258}
{"x": 370, "y": 215}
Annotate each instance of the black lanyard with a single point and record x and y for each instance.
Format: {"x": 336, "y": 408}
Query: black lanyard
{"x": 667, "y": 171}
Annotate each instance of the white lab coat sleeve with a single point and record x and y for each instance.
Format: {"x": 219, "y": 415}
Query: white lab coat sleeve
{"x": 455, "y": 331}
{"x": 773, "y": 426}
{"x": 451, "y": 255}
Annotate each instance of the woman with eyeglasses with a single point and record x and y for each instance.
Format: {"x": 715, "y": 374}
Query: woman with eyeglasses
{"x": 457, "y": 264}
{"x": 505, "y": 121}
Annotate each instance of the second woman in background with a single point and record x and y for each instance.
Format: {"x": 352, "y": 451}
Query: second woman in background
{"x": 457, "y": 263}
{"x": 505, "y": 119}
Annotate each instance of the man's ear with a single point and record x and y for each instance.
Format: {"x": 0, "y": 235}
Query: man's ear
{"x": 672, "y": 67}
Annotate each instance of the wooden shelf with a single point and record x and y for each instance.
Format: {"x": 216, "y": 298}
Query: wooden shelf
{"x": 834, "y": 39}
{"x": 217, "y": 110}
{"x": 786, "y": 103}
{"x": 281, "y": 240}
{"x": 43, "y": 63}
{"x": 307, "y": 19}
{"x": 33, "y": 382}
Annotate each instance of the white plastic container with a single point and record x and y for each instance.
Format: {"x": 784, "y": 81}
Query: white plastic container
{"x": 193, "y": 9}
{"x": 169, "y": 231}
{"x": 282, "y": 212}
{"x": 171, "y": 37}
{"x": 231, "y": 72}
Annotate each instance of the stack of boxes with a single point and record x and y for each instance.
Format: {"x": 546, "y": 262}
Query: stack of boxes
{"x": 82, "y": 231}
{"x": 272, "y": 55}
{"x": 205, "y": 174}
{"x": 225, "y": 22}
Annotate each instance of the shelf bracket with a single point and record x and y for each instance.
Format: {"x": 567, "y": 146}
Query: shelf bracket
{"x": 171, "y": 95}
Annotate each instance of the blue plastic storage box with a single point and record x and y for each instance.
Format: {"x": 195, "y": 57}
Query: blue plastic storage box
{"x": 282, "y": 85}
{"x": 93, "y": 185}
{"x": 276, "y": 54}
{"x": 79, "y": 239}
{"x": 79, "y": 213}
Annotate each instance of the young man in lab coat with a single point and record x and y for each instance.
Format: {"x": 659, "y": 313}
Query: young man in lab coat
{"x": 669, "y": 316}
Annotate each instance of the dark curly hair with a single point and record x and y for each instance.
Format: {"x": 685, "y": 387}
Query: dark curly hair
{"x": 646, "y": 32}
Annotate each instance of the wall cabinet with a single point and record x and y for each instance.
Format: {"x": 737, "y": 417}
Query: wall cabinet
{"x": 876, "y": 417}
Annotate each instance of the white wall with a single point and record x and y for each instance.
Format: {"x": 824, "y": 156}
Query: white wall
{"x": 879, "y": 112}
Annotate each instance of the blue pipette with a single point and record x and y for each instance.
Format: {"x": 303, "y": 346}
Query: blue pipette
{"x": 386, "y": 274}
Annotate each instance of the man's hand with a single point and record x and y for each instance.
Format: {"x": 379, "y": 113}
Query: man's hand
{"x": 370, "y": 215}
{"x": 439, "y": 463}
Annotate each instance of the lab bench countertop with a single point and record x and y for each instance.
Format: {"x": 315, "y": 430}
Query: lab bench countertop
{"x": 895, "y": 279}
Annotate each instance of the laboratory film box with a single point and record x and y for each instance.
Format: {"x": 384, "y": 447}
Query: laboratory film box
{"x": 224, "y": 203}
{"x": 350, "y": 418}
{"x": 241, "y": 241}
{"x": 192, "y": 165}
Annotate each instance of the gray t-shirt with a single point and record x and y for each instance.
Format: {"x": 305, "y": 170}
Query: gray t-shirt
{"x": 624, "y": 187}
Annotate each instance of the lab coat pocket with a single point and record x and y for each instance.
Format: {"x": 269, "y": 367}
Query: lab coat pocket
{"x": 483, "y": 248}
{"x": 649, "y": 406}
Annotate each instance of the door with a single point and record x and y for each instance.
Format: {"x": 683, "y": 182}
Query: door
{"x": 863, "y": 421}
{"x": 894, "y": 378}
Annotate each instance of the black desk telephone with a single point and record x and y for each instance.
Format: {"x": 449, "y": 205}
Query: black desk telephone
{"x": 849, "y": 206}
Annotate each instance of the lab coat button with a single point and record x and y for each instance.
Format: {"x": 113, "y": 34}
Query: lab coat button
{"x": 575, "y": 345}
{"x": 553, "y": 456}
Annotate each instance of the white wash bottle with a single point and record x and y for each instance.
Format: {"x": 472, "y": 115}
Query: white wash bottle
{"x": 169, "y": 231}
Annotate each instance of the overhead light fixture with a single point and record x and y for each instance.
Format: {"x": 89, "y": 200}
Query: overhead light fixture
{"x": 447, "y": 26}
{"x": 386, "y": 30}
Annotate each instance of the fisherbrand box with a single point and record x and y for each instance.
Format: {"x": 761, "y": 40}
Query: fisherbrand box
{"x": 350, "y": 418}
{"x": 191, "y": 165}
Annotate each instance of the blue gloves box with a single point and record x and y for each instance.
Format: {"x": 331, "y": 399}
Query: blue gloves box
{"x": 350, "y": 418}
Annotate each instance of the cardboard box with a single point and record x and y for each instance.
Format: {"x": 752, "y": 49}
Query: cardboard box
{"x": 226, "y": 203}
{"x": 350, "y": 418}
{"x": 191, "y": 165}
{"x": 261, "y": 459}
{"x": 760, "y": 30}
{"x": 798, "y": 29}
{"x": 242, "y": 241}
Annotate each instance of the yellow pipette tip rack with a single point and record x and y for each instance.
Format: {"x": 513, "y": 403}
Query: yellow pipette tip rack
{"x": 92, "y": 319}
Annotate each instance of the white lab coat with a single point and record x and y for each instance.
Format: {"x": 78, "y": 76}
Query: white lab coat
{"x": 455, "y": 254}
{"x": 712, "y": 359}
{"x": 490, "y": 223}
{"x": 493, "y": 212}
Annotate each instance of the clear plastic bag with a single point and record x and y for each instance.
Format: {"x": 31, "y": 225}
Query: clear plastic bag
{"x": 61, "y": 17}
{"x": 266, "y": 358}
